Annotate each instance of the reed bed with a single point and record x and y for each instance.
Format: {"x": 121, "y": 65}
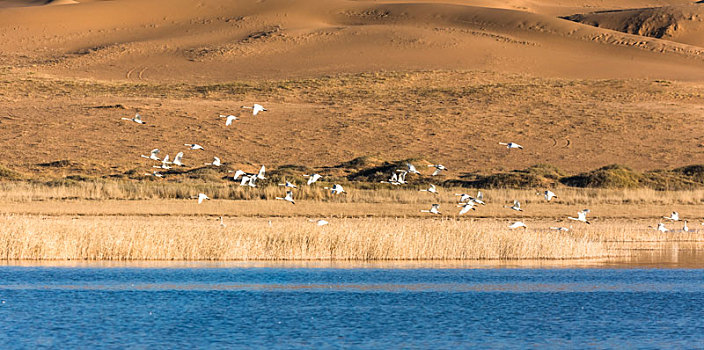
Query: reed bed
{"x": 180, "y": 238}
{"x": 149, "y": 190}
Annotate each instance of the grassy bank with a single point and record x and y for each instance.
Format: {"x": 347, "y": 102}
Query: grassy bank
{"x": 34, "y": 238}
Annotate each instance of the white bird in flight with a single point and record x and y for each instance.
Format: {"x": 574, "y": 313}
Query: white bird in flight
{"x": 230, "y": 118}
{"x": 412, "y": 169}
{"x": 392, "y": 180}
{"x": 238, "y": 173}
{"x": 312, "y": 178}
{"x": 137, "y": 119}
{"x": 511, "y": 145}
{"x": 249, "y": 180}
{"x": 260, "y": 174}
{"x": 401, "y": 180}
{"x": 466, "y": 207}
{"x": 164, "y": 163}
{"x": 202, "y": 197}
{"x": 438, "y": 168}
{"x": 288, "y": 198}
{"x": 517, "y": 224}
{"x": 661, "y": 227}
{"x": 256, "y": 108}
{"x": 288, "y": 184}
{"x": 320, "y": 222}
{"x": 463, "y": 197}
{"x": 431, "y": 189}
{"x": 549, "y": 195}
{"x": 581, "y": 216}
{"x": 516, "y": 206}
{"x": 434, "y": 209}
{"x": 177, "y": 159}
{"x": 336, "y": 189}
{"x": 152, "y": 155}
{"x": 215, "y": 162}
{"x": 675, "y": 216}
{"x": 194, "y": 146}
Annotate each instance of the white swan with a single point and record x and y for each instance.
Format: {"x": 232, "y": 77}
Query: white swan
{"x": 152, "y": 155}
{"x": 463, "y": 197}
{"x": 230, "y": 118}
{"x": 661, "y": 227}
{"x": 466, "y": 207}
{"x": 215, "y": 162}
{"x": 434, "y": 209}
{"x": 164, "y": 163}
{"x": 675, "y": 216}
{"x": 438, "y": 168}
{"x": 402, "y": 177}
{"x": 392, "y": 180}
{"x": 288, "y": 184}
{"x": 516, "y": 206}
{"x": 412, "y": 169}
{"x": 256, "y": 108}
{"x": 517, "y": 224}
{"x": 137, "y": 119}
{"x": 549, "y": 195}
{"x": 238, "y": 173}
{"x": 194, "y": 146}
{"x": 581, "y": 216}
{"x": 480, "y": 198}
{"x": 313, "y": 178}
{"x": 288, "y": 198}
{"x": 321, "y": 222}
{"x": 178, "y": 158}
{"x": 202, "y": 197}
{"x": 431, "y": 189}
{"x": 510, "y": 145}
{"x": 335, "y": 189}
{"x": 260, "y": 174}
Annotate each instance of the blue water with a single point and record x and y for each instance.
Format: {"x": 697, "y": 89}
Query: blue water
{"x": 362, "y": 308}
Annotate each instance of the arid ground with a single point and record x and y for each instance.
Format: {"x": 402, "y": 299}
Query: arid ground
{"x": 349, "y": 86}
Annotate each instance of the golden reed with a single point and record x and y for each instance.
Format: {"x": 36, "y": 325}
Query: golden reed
{"x": 204, "y": 238}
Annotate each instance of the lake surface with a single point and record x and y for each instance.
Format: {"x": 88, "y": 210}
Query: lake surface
{"x": 420, "y": 306}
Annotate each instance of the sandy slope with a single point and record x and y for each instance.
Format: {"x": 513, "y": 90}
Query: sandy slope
{"x": 683, "y": 24}
{"x": 213, "y": 41}
{"x": 508, "y": 70}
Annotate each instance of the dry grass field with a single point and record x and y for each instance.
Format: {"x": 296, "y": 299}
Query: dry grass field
{"x": 365, "y": 225}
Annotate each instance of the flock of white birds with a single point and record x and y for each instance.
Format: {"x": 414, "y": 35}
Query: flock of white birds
{"x": 398, "y": 177}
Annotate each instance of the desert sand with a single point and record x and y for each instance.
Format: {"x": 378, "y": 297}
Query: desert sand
{"x": 581, "y": 84}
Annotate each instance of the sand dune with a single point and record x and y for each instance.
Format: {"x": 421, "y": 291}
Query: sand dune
{"x": 683, "y": 24}
{"x": 210, "y": 41}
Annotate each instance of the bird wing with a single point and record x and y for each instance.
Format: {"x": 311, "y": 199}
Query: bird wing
{"x": 177, "y": 159}
{"x": 261, "y": 173}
